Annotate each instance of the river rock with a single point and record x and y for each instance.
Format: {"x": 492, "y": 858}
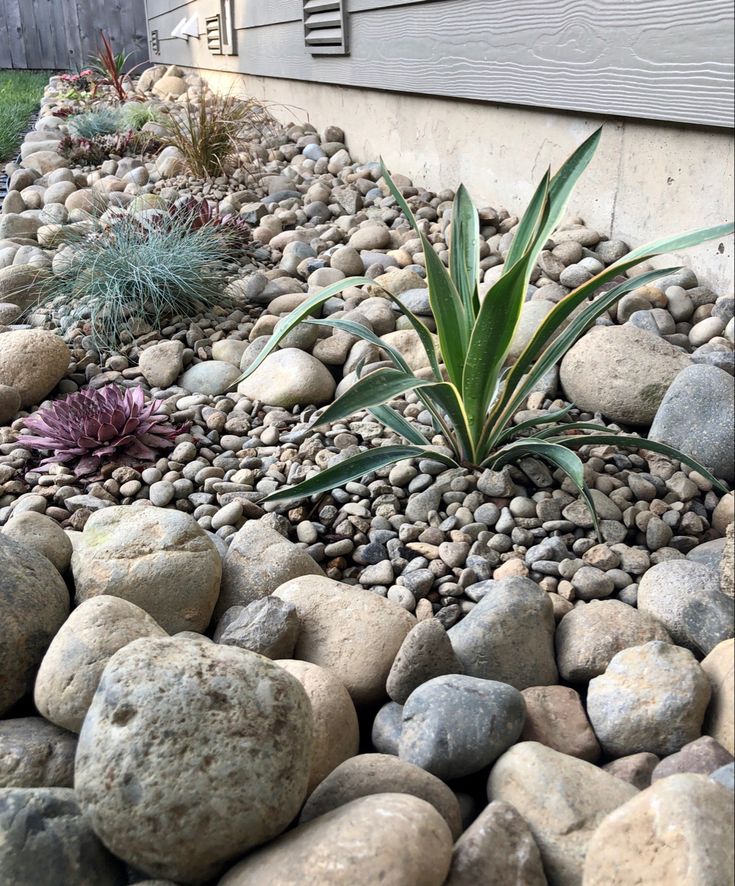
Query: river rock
{"x": 268, "y": 626}
{"x": 335, "y": 727}
{"x": 685, "y": 597}
{"x": 384, "y": 838}
{"x": 212, "y": 377}
{"x": 73, "y": 664}
{"x": 719, "y": 666}
{"x": 157, "y": 558}
{"x": 33, "y": 361}
{"x": 621, "y": 371}
{"x": 227, "y": 739}
{"x": 387, "y": 727}
{"x": 636, "y": 769}
{"x": 498, "y": 848}
{"x": 46, "y": 841}
{"x": 347, "y": 630}
{"x": 703, "y": 755}
{"x": 289, "y": 378}
{"x": 35, "y": 754}
{"x": 555, "y": 717}
{"x": 651, "y": 698}
{"x": 589, "y": 636}
{"x": 677, "y": 831}
{"x": 509, "y": 635}
{"x": 161, "y": 363}
{"x": 34, "y": 602}
{"x": 369, "y": 774}
{"x": 424, "y": 654}
{"x": 456, "y": 725}
{"x": 697, "y": 416}
{"x": 42, "y": 534}
{"x": 9, "y": 402}
{"x": 562, "y": 799}
{"x": 258, "y": 561}
{"x": 18, "y": 285}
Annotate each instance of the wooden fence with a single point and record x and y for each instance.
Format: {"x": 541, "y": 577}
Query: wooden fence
{"x": 58, "y": 35}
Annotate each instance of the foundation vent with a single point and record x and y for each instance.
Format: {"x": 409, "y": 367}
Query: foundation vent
{"x": 325, "y": 27}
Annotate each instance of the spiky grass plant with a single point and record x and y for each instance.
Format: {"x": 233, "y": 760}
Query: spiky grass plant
{"x": 91, "y": 124}
{"x": 134, "y": 275}
{"x": 474, "y": 392}
{"x": 92, "y": 427}
{"x": 136, "y": 114}
{"x": 211, "y": 132}
{"x": 109, "y": 67}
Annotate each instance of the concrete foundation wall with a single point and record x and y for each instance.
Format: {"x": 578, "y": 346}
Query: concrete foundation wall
{"x": 646, "y": 181}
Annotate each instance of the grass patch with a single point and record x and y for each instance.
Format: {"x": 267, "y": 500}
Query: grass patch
{"x": 20, "y": 94}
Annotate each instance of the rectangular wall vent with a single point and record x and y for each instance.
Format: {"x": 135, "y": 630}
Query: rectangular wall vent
{"x": 325, "y": 27}
{"x": 155, "y": 44}
{"x": 213, "y": 27}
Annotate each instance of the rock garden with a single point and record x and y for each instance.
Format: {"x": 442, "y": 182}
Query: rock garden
{"x": 350, "y": 533}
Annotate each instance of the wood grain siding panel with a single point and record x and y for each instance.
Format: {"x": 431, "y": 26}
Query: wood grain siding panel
{"x": 669, "y": 61}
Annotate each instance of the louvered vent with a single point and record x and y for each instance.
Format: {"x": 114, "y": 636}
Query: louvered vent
{"x": 325, "y": 27}
{"x": 155, "y": 44}
{"x": 213, "y": 26}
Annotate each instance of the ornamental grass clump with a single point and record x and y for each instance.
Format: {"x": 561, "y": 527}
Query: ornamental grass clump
{"x": 474, "y": 390}
{"x": 91, "y": 124}
{"x": 135, "y": 275}
{"x": 91, "y": 428}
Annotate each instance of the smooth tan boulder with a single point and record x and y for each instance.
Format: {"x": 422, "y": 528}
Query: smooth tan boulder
{"x": 157, "y": 558}
{"x": 677, "y": 832}
{"x": 289, "y": 378}
{"x": 336, "y": 730}
{"x": 391, "y": 839}
{"x": 74, "y": 662}
{"x": 347, "y": 630}
{"x": 719, "y": 666}
{"x": 43, "y": 534}
{"x": 33, "y": 361}
{"x": 562, "y": 799}
{"x": 369, "y": 774}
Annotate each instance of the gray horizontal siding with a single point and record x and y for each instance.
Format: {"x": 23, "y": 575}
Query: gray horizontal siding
{"x": 668, "y": 61}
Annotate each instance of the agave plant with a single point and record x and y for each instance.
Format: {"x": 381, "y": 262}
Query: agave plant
{"x": 92, "y": 427}
{"x": 475, "y": 394}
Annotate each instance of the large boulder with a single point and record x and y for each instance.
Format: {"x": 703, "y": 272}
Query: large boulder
{"x": 43, "y": 534}
{"x": 685, "y": 597}
{"x": 33, "y": 361}
{"x": 385, "y": 838}
{"x": 191, "y": 754}
{"x": 697, "y": 416}
{"x": 73, "y": 664}
{"x": 562, "y": 799}
{"x": 335, "y": 727}
{"x": 497, "y": 848}
{"x": 621, "y": 371}
{"x": 456, "y": 725}
{"x": 159, "y": 559}
{"x": 18, "y": 284}
{"x": 258, "y": 561}
{"x": 719, "y": 666}
{"x": 46, "y": 841}
{"x": 348, "y": 630}
{"x": 509, "y": 635}
{"x": 369, "y": 774}
{"x": 34, "y": 602}
{"x": 678, "y": 831}
{"x": 652, "y": 698}
{"x": 289, "y": 378}
{"x": 36, "y": 754}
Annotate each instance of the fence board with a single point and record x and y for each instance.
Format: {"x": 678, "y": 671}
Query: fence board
{"x": 62, "y": 34}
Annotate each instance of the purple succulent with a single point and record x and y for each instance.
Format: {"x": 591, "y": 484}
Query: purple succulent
{"x": 92, "y": 427}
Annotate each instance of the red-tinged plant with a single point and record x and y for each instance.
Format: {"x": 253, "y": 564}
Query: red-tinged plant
{"x": 92, "y": 427}
{"x": 109, "y": 66}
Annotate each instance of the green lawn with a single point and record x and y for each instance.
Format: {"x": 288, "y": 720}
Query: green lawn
{"x": 20, "y": 93}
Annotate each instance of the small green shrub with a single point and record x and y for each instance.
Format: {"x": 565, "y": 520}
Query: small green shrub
{"x": 133, "y": 274}
{"x": 137, "y": 114}
{"x": 91, "y": 124}
{"x": 473, "y": 394}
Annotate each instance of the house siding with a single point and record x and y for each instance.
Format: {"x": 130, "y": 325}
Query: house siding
{"x": 627, "y": 58}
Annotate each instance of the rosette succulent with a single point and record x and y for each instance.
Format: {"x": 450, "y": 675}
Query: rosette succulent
{"x": 92, "y": 427}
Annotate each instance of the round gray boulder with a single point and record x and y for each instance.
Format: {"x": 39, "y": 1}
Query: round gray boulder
{"x": 36, "y": 754}
{"x": 191, "y": 754}
{"x": 34, "y": 602}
